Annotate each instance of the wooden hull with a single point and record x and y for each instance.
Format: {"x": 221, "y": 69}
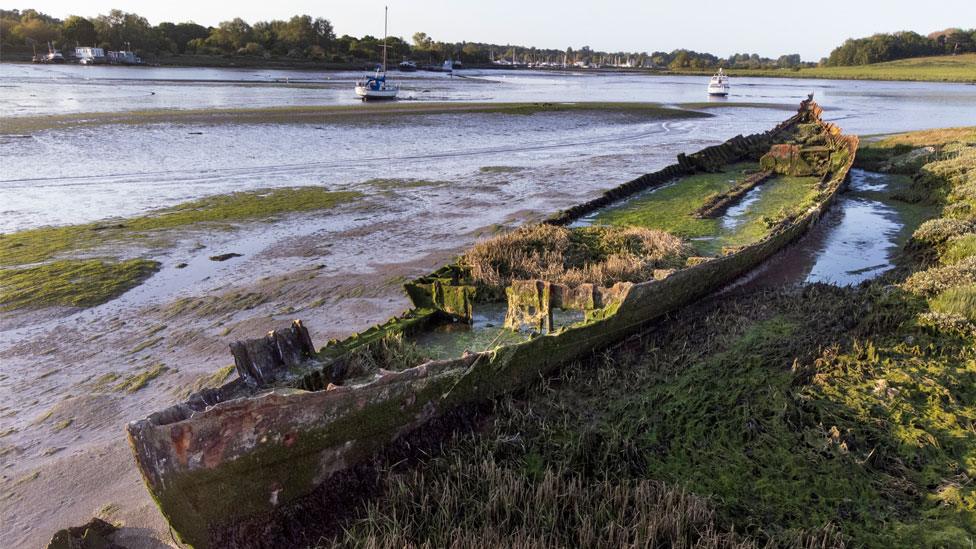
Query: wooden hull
{"x": 221, "y": 458}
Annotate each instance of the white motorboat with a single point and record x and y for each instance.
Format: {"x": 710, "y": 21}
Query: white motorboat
{"x": 376, "y": 86}
{"x": 719, "y": 84}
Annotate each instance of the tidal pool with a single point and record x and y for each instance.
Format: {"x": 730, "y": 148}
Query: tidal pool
{"x": 486, "y": 331}
{"x": 855, "y": 241}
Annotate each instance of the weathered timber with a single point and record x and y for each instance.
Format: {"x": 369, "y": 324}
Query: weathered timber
{"x": 260, "y": 361}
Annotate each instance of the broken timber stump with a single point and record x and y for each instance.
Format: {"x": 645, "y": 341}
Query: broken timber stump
{"x": 259, "y": 361}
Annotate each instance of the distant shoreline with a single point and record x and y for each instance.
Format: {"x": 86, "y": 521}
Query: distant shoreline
{"x": 959, "y": 69}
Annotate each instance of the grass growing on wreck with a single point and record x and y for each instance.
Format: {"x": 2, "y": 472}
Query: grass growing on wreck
{"x": 600, "y": 255}
{"x": 779, "y": 198}
{"x": 35, "y": 245}
{"x": 671, "y": 208}
{"x": 803, "y": 414}
{"x": 71, "y": 283}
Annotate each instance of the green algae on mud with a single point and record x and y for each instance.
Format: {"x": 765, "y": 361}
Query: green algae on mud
{"x": 45, "y": 243}
{"x": 71, "y": 283}
{"x": 500, "y": 169}
{"x": 328, "y": 114}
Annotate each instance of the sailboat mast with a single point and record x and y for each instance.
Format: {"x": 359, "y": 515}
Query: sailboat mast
{"x": 385, "y": 11}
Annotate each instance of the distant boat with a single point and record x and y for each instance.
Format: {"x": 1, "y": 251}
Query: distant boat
{"x": 376, "y": 86}
{"x": 407, "y": 66}
{"x": 90, "y": 55}
{"x": 719, "y": 84}
{"x": 53, "y": 55}
{"x": 123, "y": 57}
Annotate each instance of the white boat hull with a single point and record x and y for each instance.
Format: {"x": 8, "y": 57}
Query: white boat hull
{"x": 718, "y": 90}
{"x": 367, "y": 93}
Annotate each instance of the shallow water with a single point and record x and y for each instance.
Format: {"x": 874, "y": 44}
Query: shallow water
{"x": 865, "y": 107}
{"x": 486, "y": 331}
{"x": 857, "y": 239}
{"x": 84, "y": 174}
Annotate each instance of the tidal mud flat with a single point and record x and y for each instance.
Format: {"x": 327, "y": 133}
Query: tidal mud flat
{"x": 57, "y": 438}
{"x": 169, "y": 334}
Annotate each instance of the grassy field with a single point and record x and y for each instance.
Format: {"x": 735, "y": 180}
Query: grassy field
{"x": 810, "y": 417}
{"x": 310, "y": 114}
{"x": 38, "y": 267}
{"x": 947, "y": 68}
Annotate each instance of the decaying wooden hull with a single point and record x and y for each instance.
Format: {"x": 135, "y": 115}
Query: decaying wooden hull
{"x": 251, "y": 446}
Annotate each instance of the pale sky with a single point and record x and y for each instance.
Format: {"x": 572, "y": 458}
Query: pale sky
{"x": 767, "y": 27}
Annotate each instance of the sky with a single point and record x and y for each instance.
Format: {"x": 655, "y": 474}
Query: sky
{"x": 767, "y": 27}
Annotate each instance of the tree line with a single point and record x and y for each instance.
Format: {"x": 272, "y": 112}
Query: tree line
{"x": 305, "y": 37}
{"x": 901, "y": 45}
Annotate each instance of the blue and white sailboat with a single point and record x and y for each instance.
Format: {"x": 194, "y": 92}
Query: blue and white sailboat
{"x": 376, "y": 86}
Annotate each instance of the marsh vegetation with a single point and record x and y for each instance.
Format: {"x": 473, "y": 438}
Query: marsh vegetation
{"x": 792, "y": 417}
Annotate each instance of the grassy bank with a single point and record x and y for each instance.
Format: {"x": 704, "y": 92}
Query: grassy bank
{"x": 810, "y": 417}
{"x": 945, "y": 68}
{"x": 331, "y": 114}
{"x": 38, "y": 267}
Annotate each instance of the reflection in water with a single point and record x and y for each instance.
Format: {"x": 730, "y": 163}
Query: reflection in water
{"x": 855, "y": 241}
{"x": 487, "y": 331}
{"x": 860, "y": 246}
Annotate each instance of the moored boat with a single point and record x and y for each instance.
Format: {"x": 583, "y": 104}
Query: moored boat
{"x": 376, "y": 86}
{"x": 407, "y": 66}
{"x": 719, "y": 84}
{"x": 297, "y": 418}
{"x": 53, "y": 55}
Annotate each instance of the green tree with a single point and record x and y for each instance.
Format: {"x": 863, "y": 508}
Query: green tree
{"x": 230, "y": 35}
{"x": 79, "y": 31}
{"x": 178, "y": 35}
{"x": 120, "y": 29}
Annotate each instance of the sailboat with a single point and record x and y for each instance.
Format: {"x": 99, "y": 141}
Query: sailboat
{"x": 376, "y": 86}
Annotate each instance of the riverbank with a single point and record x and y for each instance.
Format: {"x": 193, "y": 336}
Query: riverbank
{"x": 944, "y": 68}
{"x": 800, "y": 416}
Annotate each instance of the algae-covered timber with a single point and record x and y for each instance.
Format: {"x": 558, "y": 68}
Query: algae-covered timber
{"x": 296, "y": 418}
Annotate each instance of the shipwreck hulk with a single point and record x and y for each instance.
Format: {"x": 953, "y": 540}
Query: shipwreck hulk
{"x": 294, "y": 421}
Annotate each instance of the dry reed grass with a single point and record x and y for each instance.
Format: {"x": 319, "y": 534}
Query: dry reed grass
{"x": 601, "y": 255}
{"x": 482, "y": 504}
